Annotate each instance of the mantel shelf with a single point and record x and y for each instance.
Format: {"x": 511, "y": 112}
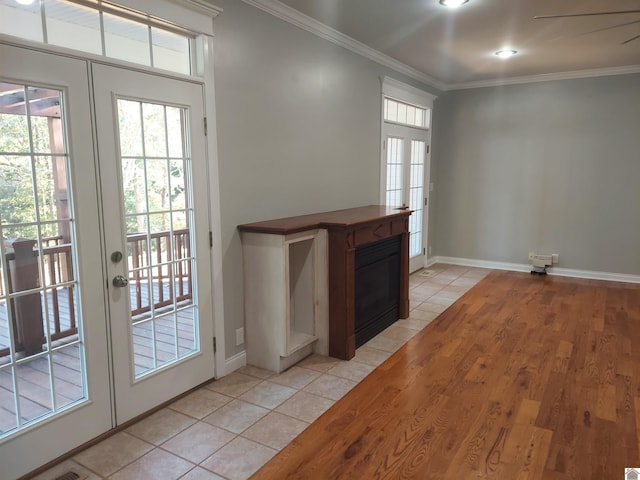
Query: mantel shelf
{"x": 351, "y": 217}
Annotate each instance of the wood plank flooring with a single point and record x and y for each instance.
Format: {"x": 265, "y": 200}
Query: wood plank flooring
{"x": 524, "y": 377}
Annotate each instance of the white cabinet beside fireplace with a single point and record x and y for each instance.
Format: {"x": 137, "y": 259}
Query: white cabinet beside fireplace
{"x": 285, "y": 297}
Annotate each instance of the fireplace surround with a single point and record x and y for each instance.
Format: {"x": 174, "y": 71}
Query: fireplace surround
{"x": 353, "y": 240}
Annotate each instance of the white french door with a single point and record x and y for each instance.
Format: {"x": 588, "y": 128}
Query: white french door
{"x": 105, "y": 270}
{"x": 404, "y": 177}
{"x": 153, "y": 173}
{"x": 54, "y": 375}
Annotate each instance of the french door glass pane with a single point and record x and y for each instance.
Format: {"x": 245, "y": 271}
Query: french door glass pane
{"x": 395, "y": 171}
{"x": 67, "y": 373}
{"x": 416, "y": 196}
{"x": 41, "y": 347}
{"x": 158, "y": 211}
{"x": 8, "y": 414}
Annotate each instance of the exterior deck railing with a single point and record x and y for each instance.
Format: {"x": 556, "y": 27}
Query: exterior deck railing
{"x": 162, "y": 258}
{"x": 23, "y": 274}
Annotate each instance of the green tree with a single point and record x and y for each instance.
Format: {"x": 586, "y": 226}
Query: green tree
{"x": 19, "y": 176}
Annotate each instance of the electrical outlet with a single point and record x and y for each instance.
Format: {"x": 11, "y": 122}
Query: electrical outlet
{"x": 531, "y": 255}
{"x": 555, "y": 258}
{"x": 239, "y": 336}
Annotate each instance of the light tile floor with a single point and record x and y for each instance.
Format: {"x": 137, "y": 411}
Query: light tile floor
{"x": 231, "y": 427}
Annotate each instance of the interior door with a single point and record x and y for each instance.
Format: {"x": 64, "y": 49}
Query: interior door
{"x": 153, "y": 171}
{"x": 54, "y": 378}
{"x": 406, "y": 174}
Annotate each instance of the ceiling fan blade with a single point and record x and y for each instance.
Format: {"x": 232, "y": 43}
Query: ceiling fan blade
{"x": 611, "y": 27}
{"x": 617, "y": 12}
{"x": 631, "y": 39}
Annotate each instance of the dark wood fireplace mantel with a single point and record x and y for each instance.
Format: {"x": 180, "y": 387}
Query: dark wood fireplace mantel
{"x": 347, "y": 230}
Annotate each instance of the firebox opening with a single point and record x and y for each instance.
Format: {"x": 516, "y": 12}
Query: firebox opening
{"x": 377, "y": 287}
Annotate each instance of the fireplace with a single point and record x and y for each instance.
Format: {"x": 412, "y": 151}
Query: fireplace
{"x": 377, "y": 287}
{"x": 355, "y": 232}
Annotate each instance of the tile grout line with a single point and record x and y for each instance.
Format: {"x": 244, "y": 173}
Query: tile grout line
{"x": 449, "y": 298}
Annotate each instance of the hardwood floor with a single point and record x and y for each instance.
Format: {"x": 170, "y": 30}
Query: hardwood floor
{"x": 525, "y": 377}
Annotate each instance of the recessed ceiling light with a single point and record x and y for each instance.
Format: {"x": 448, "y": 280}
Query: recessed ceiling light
{"x": 453, "y": 3}
{"x": 25, "y": 2}
{"x": 506, "y": 53}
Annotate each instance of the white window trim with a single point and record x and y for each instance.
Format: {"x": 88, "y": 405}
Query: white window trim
{"x": 194, "y": 15}
{"x": 401, "y": 91}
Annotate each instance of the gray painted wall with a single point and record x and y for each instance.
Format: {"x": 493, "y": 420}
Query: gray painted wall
{"x": 552, "y": 167}
{"x": 298, "y": 131}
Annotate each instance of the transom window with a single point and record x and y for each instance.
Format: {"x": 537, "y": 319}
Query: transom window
{"x": 100, "y": 28}
{"x": 405, "y": 114}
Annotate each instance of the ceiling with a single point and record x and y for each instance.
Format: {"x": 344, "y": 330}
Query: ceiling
{"x": 456, "y": 47}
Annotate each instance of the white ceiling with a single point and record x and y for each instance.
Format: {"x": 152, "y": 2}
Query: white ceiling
{"x": 456, "y": 47}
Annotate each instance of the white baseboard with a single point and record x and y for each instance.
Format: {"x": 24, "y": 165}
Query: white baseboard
{"x": 469, "y": 262}
{"x": 232, "y": 364}
{"x": 523, "y": 267}
{"x": 612, "y": 277}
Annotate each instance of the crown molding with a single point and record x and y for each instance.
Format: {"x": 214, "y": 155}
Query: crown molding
{"x": 294, "y": 17}
{"x": 202, "y": 6}
{"x": 546, "y": 77}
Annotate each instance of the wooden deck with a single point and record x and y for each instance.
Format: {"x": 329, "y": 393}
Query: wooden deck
{"x": 33, "y": 376}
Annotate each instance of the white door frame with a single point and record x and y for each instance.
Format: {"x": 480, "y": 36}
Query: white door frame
{"x": 395, "y": 89}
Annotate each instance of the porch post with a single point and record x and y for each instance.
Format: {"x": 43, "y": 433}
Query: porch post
{"x": 27, "y": 309}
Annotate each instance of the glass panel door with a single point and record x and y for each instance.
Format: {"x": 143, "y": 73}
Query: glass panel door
{"x": 53, "y": 361}
{"x": 158, "y": 214}
{"x": 153, "y": 170}
{"x": 404, "y": 176}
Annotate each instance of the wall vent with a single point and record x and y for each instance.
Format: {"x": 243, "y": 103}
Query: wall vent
{"x": 427, "y": 273}
{"x": 70, "y": 475}
{"x": 542, "y": 260}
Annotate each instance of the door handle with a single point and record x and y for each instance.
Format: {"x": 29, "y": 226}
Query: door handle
{"x": 120, "y": 281}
